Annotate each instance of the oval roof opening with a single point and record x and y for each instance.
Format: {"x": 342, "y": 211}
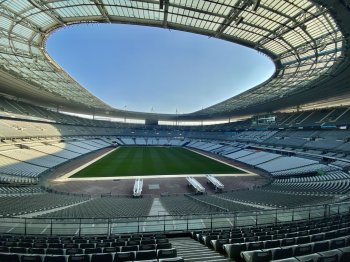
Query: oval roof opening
{"x": 148, "y": 69}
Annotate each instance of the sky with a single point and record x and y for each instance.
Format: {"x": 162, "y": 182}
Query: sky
{"x": 148, "y": 69}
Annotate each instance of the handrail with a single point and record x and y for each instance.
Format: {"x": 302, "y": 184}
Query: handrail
{"x": 213, "y": 180}
{"x": 138, "y": 187}
{"x": 167, "y": 223}
{"x": 195, "y": 184}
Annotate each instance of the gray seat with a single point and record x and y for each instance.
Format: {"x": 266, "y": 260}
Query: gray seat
{"x": 330, "y": 256}
{"x": 234, "y": 250}
{"x": 257, "y": 255}
{"x": 281, "y": 253}
{"x": 291, "y": 259}
{"x": 307, "y": 258}
{"x": 101, "y": 258}
{"x": 124, "y": 256}
{"x": 345, "y": 254}
{"x": 177, "y": 259}
{"x": 167, "y": 253}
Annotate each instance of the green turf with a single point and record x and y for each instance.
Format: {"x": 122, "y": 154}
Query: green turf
{"x": 137, "y": 161}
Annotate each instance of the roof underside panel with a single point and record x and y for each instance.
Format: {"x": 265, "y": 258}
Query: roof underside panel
{"x": 301, "y": 37}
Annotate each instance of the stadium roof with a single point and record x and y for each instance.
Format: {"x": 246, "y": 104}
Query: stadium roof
{"x": 302, "y": 37}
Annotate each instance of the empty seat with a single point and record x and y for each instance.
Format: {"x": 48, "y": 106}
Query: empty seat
{"x": 167, "y": 253}
{"x": 4, "y": 249}
{"x": 111, "y": 249}
{"x": 36, "y": 251}
{"x": 146, "y": 255}
{"x": 10, "y": 244}
{"x": 104, "y": 244}
{"x": 147, "y": 242}
{"x": 337, "y": 243}
{"x": 71, "y": 245}
{"x": 80, "y": 241}
{"x": 133, "y": 243}
{"x": 272, "y": 243}
{"x": 9, "y": 258}
{"x": 74, "y": 251}
{"x": 345, "y": 254}
{"x": 234, "y": 250}
{"x": 54, "y": 251}
{"x": 55, "y": 245}
{"x": 281, "y": 253}
{"x": 87, "y": 245}
{"x": 288, "y": 242}
{"x": 93, "y": 250}
{"x": 317, "y": 237}
{"x": 257, "y": 256}
{"x": 39, "y": 245}
{"x": 236, "y": 240}
{"x": 218, "y": 244}
{"x": 303, "y": 240}
{"x": 177, "y": 259}
{"x": 164, "y": 246}
{"x": 302, "y": 250}
{"x": 320, "y": 246}
{"x": 124, "y": 256}
{"x": 129, "y": 248}
{"x": 331, "y": 253}
{"x": 54, "y": 258}
{"x": 20, "y": 250}
{"x": 147, "y": 247}
{"x": 255, "y": 245}
{"x": 118, "y": 244}
{"x": 264, "y": 238}
{"x": 330, "y": 234}
{"x": 78, "y": 258}
{"x": 29, "y": 258}
{"x": 330, "y": 258}
{"x": 101, "y": 258}
{"x": 25, "y": 244}
{"x": 291, "y": 259}
{"x": 308, "y": 258}
{"x": 162, "y": 240}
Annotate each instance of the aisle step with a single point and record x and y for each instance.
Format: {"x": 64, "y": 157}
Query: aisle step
{"x": 193, "y": 251}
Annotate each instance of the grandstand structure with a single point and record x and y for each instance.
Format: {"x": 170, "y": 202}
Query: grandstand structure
{"x": 294, "y": 135}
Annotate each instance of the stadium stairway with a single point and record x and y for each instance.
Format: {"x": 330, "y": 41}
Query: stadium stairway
{"x": 157, "y": 208}
{"x": 192, "y": 251}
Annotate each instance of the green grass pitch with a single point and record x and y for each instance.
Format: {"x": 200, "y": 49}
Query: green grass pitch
{"x": 143, "y": 161}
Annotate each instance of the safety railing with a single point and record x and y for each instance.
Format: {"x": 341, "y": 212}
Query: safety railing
{"x": 166, "y": 223}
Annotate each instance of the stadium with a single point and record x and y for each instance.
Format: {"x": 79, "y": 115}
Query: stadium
{"x": 270, "y": 182}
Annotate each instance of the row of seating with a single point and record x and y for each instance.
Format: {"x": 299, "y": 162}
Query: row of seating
{"x": 298, "y": 248}
{"x": 326, "y": 187}
{"x": 14, "y": 205}
{"x": 169, "y": 255}
{"x": 83, "y": 239}
{"x": 83, "y": 250}
{"x": 333, "y": 255}
{"x": 280, "y": 241}
{"x": 273, "y": 232}
{"x": 328, "y": 176}
{"x": 10, "y": 190}
{"x": 105, "y": 207}
{"x": 122, "y": 245}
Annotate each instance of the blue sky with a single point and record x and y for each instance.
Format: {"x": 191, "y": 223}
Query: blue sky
{"x": 151, "y": 69}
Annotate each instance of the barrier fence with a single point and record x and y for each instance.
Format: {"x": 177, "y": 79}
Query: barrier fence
{"x": 166, "y": 223}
